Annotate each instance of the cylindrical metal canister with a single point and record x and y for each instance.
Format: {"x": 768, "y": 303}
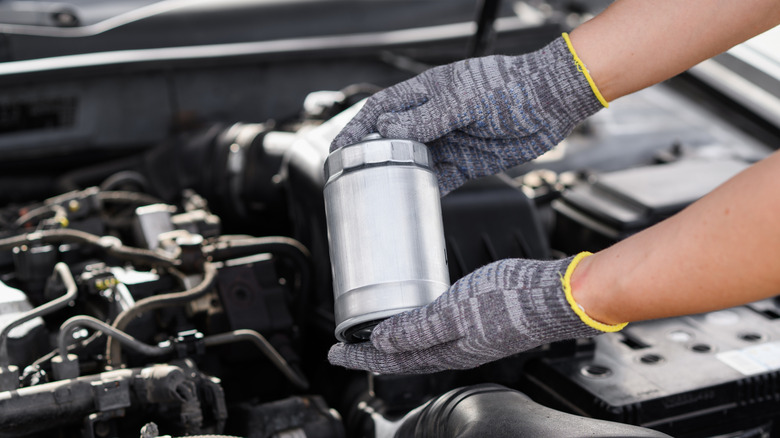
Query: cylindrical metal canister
{"x": 385, "y": 231}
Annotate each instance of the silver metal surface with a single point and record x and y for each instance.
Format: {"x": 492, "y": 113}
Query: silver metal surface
{"x": 385, "y": 230}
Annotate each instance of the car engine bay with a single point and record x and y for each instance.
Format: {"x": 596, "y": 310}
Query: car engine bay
{"x": 164, "y": 266}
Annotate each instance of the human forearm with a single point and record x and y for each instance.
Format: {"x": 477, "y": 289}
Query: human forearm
{"x": 637, "y": 43}
{"x": 721, "y": 251}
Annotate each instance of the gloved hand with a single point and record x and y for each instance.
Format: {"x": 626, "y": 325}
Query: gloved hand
{"x": 501, "y": 309}
{"x": 483, "y": 115}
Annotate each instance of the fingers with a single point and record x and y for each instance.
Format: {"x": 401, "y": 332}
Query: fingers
{"x": 388, "y": 101}
{"x": 366, "y": 357}
{"x": 447, "y": 319}
{"x": 360, "y": 126}
{"x": 423, "y": 122}
{"x": 418, "y": 329}
{"x": 459, "y": 157}
{"x": 454, "y": 315}
{"x": 451, "y": 171}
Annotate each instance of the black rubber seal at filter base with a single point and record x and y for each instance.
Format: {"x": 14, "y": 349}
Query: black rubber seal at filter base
{"x": 361, "y": 332}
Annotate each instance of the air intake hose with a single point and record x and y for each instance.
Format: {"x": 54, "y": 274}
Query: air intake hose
{"x": 498, "y": 412}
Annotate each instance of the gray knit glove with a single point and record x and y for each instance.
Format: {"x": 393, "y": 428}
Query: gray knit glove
{"x": 501, "y": 309}
{"x": 483, "y": 115}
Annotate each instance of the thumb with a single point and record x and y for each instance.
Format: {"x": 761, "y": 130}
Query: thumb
{"x": 360, "y": 126}
{"x": 387, "y": 101}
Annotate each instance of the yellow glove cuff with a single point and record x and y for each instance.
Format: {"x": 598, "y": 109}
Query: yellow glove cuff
{"x": 581, "y": 67}
{"x": 590, "y": 322}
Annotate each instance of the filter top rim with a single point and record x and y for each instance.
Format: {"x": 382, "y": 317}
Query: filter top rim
{"x": 373, "y": 152}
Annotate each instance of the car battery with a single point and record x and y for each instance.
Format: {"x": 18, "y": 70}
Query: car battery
{"x": 610, "y": 206}
{"x": 708, "y": 375}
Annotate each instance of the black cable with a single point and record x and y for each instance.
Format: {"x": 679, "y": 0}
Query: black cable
{"x": 125, "y": 177}
{"x": 480, "y": 43}
{"x": 354, "y": 92}
{"x": 86, "y": 176}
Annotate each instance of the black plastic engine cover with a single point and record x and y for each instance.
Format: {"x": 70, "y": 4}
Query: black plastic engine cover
{"x": 488, "y": 220}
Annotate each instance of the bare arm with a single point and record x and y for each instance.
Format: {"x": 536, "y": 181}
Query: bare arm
{"x": 637, "y": 43}
{"x": 721, "y": 251}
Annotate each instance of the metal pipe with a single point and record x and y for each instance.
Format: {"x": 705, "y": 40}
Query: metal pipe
{"x": 54, "y": 210}
{"x": 111, "y": 245}
{"x": 265, "y": 347}
{"x": 114, "y": 352}
{"x": 229, "y": 247}
{"x": 67, "y": 328}
{"x": 71, "y": 291}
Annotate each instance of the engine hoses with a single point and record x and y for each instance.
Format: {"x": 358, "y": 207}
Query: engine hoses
{"x": 113, "y": 350}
